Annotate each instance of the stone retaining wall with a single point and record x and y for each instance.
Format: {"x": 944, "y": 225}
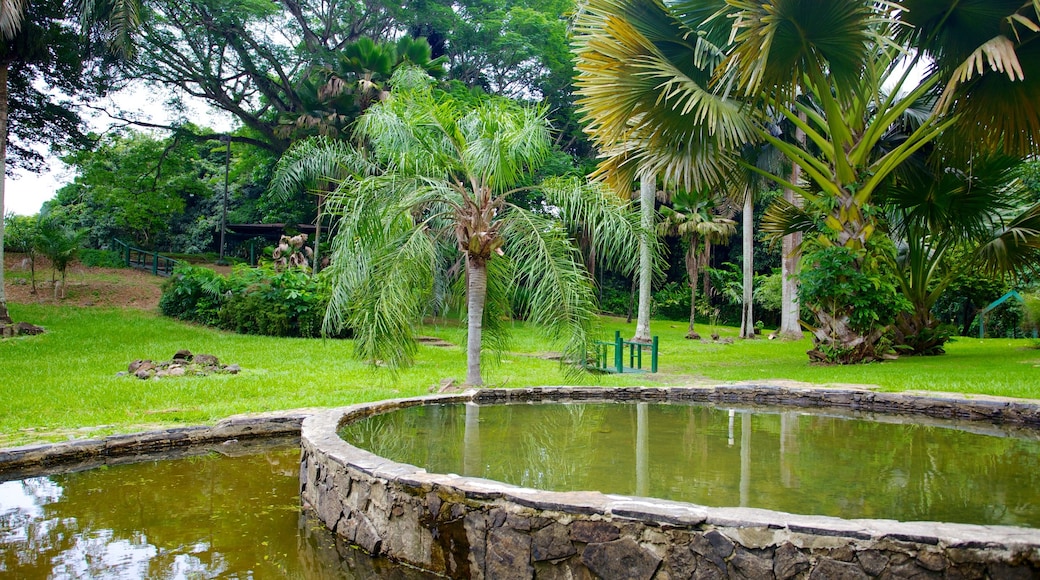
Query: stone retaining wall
{"x": 19, "y": 462}
{"x": 473, "y": 528}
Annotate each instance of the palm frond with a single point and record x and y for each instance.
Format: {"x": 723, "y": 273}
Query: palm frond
{"x": 12, "y": 13}
{"x": 382, "y": 280}
{"x": 558, "y": 287}
{"x": 613, "y": 223}
{"x": 1014, "y": 249}
{"x": 317, "y": 159}
{"x": 783, "y": 218}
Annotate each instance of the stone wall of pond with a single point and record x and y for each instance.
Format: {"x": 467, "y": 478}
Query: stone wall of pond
{"x": 472, "y": 528}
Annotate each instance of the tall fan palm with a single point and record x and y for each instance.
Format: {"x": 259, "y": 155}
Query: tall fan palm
{"x": 445, "y": 173}
{"x": 111, "y": 21}
{"x": 693, "y": 217}
{"x": 683, "y": 86}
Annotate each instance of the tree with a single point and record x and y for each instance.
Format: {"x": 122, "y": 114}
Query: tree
{"x": 983, "y": 210}
{"x": 39, "y": 45}
{"x": 688, "y": 85}
{"x": 60, "y": 244}
{"x": 693, "y": 217}
{"x": 444, "y": 173}
{"x": 647, "y": 212}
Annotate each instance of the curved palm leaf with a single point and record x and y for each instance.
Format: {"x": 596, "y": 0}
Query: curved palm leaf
{"x": 12, "y": 13}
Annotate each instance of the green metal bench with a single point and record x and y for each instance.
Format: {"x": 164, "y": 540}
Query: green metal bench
{"x": 616, "y": 364}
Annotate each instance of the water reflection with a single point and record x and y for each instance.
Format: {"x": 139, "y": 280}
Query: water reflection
{"x": 204, "y": 516}
{"x": 781, "y": 459}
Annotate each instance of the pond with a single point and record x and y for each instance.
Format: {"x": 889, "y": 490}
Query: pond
{"x": 231, "y": 511}
{"x": 785, "y": 459}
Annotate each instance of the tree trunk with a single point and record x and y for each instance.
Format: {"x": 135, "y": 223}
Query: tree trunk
{"x": 747, "y": 317}
{"x": 790, "y": 310}
{"x": 647, "y": 191}
{"x": 691, "y": 273}
{"x": 5, "y": 318}
{"x": 317, "y": 232}
{"x": 475, "y": 293}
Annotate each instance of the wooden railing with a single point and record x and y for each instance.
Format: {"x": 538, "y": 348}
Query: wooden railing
{"x": 616, "y": 364}
{"x": 157, "y": 264}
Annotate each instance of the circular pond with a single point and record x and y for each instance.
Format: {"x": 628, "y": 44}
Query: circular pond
{"x": 709, "y": 482}
{"x": 832, "y": 463}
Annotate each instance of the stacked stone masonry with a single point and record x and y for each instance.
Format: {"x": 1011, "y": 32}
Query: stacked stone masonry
{"x": 472, "y": 528}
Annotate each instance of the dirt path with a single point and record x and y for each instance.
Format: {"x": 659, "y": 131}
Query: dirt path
{"x": 103, "y": 287}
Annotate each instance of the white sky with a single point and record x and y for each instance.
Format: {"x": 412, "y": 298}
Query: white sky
{"x": 26, "y": 191}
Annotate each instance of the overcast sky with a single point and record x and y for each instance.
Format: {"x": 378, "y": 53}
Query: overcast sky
{"x": 26, "y": 191}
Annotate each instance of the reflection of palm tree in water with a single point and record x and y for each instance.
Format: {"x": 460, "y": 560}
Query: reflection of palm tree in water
{"x": 558, "y": 454}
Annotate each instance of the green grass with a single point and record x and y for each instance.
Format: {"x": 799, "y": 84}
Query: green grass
{"x": 64, "y": 384}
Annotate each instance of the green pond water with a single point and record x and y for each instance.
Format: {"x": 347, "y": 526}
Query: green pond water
{"x": 789, "y": 460}
{"x": 228, "y": 514}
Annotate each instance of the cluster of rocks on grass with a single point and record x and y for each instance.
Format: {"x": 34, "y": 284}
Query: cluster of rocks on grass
{"x": 183, "y": 363}
{"x": 19, "y": 329}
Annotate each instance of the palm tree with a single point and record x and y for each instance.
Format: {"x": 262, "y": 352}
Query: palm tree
{"x": 692, "y": 216}
{"x": 444, "y": 173}
{"x": 112, "y": 21}
{"x": 647, "y": 211}
{"x": 982, "y": 210}
{"x": 685, "y": 86}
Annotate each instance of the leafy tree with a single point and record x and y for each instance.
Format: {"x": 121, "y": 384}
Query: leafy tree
{"x": 39, "y": 47}
{"x": 22, "y": 235}
{"x": 441, "y": 182}
{"x": 154, "y": 193}
{"x": 685, "y": 87}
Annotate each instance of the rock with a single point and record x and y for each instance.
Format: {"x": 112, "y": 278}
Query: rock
{"x": 789, "y": 562}
{"x": 621, "y": 559}
{"x": 205, "y": 360}
{"x": 176, "y": 371}
{"x": 745, "y": 564}
{"x": 835, "y": 570}
{"x": 593, "y": 532}
{"x": 134, "y": 366}
{"x": 184, "y": 355}
{"x": 509, "y": 554}
{"x": 27, "y": 329}
{"x": 233, "y": 369}
{"x": 144, "y": 373}
{"x": 552, "y": 542}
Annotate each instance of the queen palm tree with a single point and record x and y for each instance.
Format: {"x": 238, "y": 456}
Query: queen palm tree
{"x": 684, "y": 87}
{"x": 444, "y": 173}
{"x": 111, "y": 21}
{"x": 693, "y": 217}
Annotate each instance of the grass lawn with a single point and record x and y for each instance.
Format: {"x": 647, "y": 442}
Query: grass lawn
{"x": 63, "y": 383}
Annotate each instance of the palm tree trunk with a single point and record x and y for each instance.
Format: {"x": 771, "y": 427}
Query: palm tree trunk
{"x": 476, "y": 292}
{"x": 647, "y": 191}
{"x": 5, "y": 318}
{"x": 747, "y": 317}
{"x": 691, "y": 273}
{"x": 790, "y": 310}
{"x": 317, "y": 231}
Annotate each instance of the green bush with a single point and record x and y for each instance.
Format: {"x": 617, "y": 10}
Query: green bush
{"x": 250, "y": 300}
{"x": 194, "y": 293}
{"x": 100, "y": 259}
{"x": 672, "y": 301}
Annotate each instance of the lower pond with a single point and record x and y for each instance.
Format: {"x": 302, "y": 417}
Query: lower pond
{"x": 790, "y": 460}
{"x": 231, "y": 513}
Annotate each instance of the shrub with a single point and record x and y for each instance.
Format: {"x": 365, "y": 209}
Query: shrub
{"x": 194, "y": 293}
{"x": 100, "y": 258}
{"x": 250, "y": 300}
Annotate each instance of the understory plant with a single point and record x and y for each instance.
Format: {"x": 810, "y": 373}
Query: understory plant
{"x": 258, "y": 300}
{"x": 853, "y": 306}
